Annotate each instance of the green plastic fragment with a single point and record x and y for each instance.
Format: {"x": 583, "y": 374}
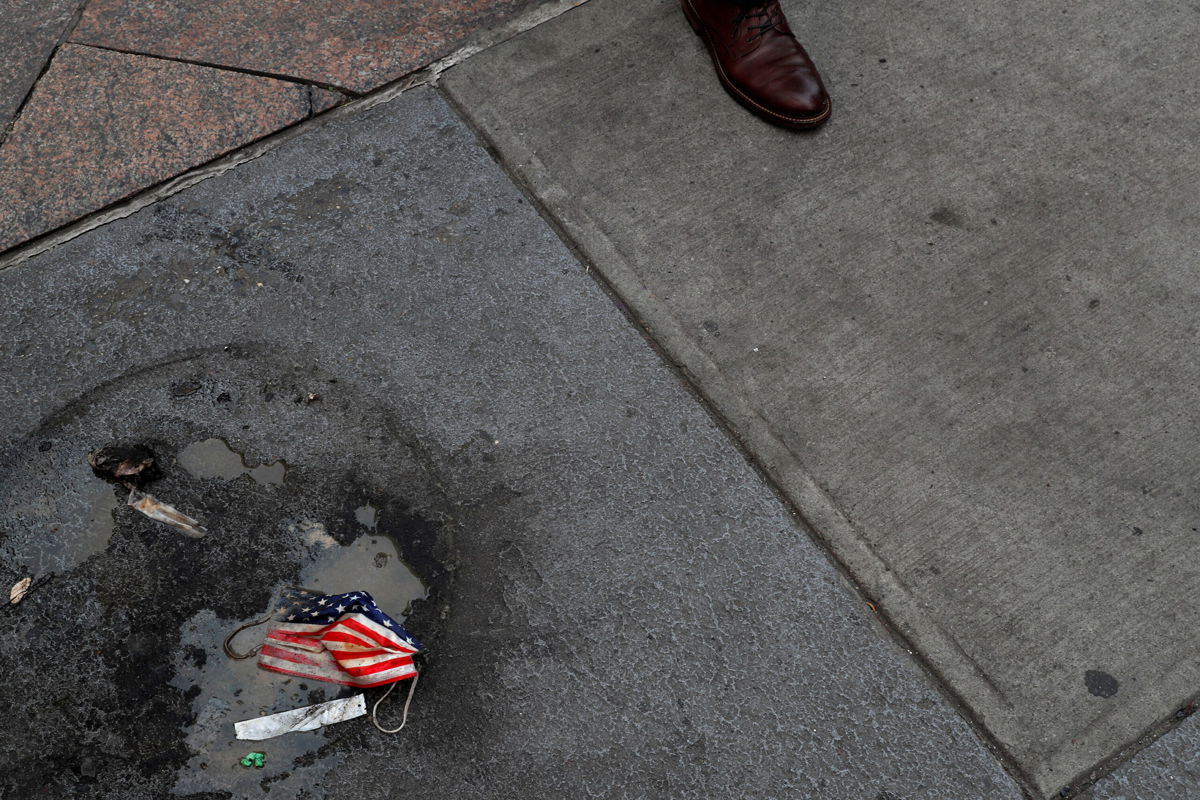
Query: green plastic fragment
{"x": 253, "y": 760}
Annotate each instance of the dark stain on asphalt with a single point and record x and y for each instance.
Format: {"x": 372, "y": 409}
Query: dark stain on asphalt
{"x": 185, "y": 388}
{"x": 1101, "y": 684}
{"x": 99, "y": 652}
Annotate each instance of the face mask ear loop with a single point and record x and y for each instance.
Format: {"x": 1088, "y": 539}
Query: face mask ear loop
{"x": 412, "y": 687}
{"x": 229, "y": 651}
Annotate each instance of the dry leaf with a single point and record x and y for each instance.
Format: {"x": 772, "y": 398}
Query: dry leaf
{"x": 17, "y": 593}
{"x": 128, "y": 465}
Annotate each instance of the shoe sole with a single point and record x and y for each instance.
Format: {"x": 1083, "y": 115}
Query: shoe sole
{"x": 737, "y": 94}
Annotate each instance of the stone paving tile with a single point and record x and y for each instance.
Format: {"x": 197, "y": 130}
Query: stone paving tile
{"x": 103, "y": 125}
{"x": 355, "y": 44}
{"x": 324, "y": 99}
{"x": 30, "y": 31}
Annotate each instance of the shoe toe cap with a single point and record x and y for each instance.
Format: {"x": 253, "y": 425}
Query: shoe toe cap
{"x": 789, "y": 87}
{"x": 802, "y": 102}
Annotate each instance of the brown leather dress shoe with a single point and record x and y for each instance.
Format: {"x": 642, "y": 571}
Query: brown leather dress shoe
{"x": 759, "y": 61}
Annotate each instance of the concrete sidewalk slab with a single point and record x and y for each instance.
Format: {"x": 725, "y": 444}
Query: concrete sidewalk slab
{"x": 355, "y": 45}
{"x": 620, "y": 607}
{"x": 956, "y": 324}
{"x": 101, "y": 126}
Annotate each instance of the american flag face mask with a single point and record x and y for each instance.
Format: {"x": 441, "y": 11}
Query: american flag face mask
{"x": 336, "y": 638}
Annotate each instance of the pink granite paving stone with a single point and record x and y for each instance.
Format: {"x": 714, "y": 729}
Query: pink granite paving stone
{"x": 357, "y": 45}
{"x": 101, "y": 126}
{"x": 30, "y": 30}
{"x": 323, "y": 99}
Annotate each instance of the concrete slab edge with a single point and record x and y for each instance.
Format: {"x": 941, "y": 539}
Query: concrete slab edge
{"x": 929, "y": 643}
{"x": 218, "y": 166}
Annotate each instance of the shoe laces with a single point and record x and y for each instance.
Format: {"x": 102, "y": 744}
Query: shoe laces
{"x": 763, "y": 11}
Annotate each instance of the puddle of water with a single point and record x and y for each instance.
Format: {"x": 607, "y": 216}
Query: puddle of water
{"x": 101, "y": 523}
{"x": 369, "y": 564}
{"x": 41, "y": 507}
{"x": 214, "y": 458}
{"x": 68, "y": 529}
{"x": 312, "y": 533}
{"x": 232, "y": 691}
{"x": 367, "y": 515}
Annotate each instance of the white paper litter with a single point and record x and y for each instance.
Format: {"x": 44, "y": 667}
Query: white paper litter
{"x": 165, "y": 513}
{"x": 302, "y": 719}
